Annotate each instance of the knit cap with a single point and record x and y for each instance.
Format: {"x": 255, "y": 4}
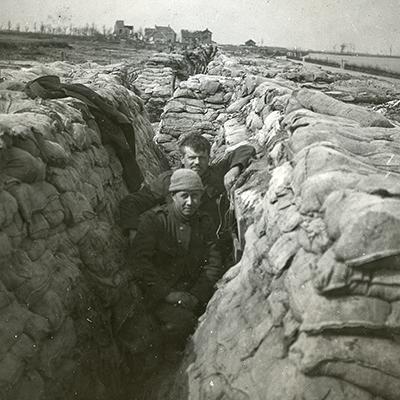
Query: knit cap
{"x": 185, "y": 179}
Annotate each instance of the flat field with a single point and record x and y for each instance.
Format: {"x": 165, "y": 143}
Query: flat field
{"x": 25, "y": 47}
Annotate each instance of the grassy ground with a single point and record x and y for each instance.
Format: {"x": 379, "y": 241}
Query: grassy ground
{"x": 24, "y": 48}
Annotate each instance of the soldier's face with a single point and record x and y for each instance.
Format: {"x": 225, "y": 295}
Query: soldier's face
{"x": 187, "y": 202}
{"x": 195, "y": 160}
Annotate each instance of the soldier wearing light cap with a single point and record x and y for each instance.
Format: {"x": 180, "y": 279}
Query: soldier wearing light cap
{"x": 186, "y": 189}
{"x": 174, "y": 258}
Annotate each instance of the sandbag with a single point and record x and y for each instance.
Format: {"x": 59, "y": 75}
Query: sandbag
{"x": 12, "y": 324}
{"x": 29, "y": 387}
{"x": 346, "y": 314}
{"x": 324, "y": 157}
{"x": 8, "y": 207}
{"x": 351, "y": 139}
{"x": 379, "y": 279}
{"x": 315, "y": 189}
{"x": 366, "y": 227}
{"x": 19, "y": 164}
{"x": 55, "y": 154}
{"x": 322, "y": 103}
{"x": 54, "y": 351}
{"x": 76, "y": 207}
{"x": 50, "y": 307}
{"x": 357, "y": 360}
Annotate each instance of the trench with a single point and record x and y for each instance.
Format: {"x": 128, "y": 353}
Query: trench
{"x": 71, "y": 324}
{"x": 68, "y": 312}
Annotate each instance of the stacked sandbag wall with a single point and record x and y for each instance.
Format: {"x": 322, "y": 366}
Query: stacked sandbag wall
{"x": 238, "y": 66}
{"x": 198, "y": 106}
{"x": 311, "y": 310}
{"x": 62, "y": 289}
{"x": 162, "y": 73}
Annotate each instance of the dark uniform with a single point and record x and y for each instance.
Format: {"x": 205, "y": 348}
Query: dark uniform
{"x": 214, "y": 200}
{"x": 172, "y": 254}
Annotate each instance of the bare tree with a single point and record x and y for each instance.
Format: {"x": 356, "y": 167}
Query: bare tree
{"x": 18, "y": 27}
{"x": 93, "y": 29}
{"x": 343, "y": 47}
{"x": 85, "y": 30}
{"x": 34, "y": 27}
{"x": 9, "y": 26}
{"x": 49, "y": 28}
{"x": 42, "y": 28}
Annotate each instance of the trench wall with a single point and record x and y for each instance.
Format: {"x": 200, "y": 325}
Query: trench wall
{"x": 268, "y": 331}
{"x": 310, "y": 311}
{"x": 161, "y": 74}
{"x": 62, "y": 287}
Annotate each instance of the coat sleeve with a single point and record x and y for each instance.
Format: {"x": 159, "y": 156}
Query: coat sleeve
{"x": 238, "y": 157}
{"x": 211, "y": 270}
{"x": 134, "y": 204}
{"x": 141, "y": 259}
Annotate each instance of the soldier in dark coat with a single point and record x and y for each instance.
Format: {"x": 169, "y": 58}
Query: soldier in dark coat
{"x": 217, "y": 180}
{"x": 174, "y": 258}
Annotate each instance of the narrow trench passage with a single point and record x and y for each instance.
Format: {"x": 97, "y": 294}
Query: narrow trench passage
{"x": 153, "y": 371}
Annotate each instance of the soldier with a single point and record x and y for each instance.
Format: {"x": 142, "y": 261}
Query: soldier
{"x": 217, "y": 180}
{"x": 174, "y": 258}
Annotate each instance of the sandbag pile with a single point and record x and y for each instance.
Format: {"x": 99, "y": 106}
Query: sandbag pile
{"x": 61, "y": 255}
{"x": 163, "y": 72}
{"x": 390, "y": 109}
{"x": 256, "y": 109}
{"x": 364, "y": 90}
{"x": 311, "y": 310}
{"x": 236, "y": 66}
{"x": 342, "y": 85}
{"x": 197, "y": 106}
{"x": 310, "y": 73}
{"x": 156, "y": 82}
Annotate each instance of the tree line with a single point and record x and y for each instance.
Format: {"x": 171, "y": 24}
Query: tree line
{"x": 49, "y": 28}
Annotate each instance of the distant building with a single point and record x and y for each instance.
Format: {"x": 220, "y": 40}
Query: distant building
{"x": 122, "y": 30}
{"x": 196, "y": 37}
{"x": 149, "y": 33}
{"x": 250, "y": 43}
{"x": 160, "y": 34}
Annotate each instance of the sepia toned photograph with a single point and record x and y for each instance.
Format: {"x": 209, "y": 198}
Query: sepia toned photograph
{"x": 199, "y": 200}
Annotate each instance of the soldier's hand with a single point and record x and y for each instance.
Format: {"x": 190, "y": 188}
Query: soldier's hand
{"x": 132, "y": 235}
{"x": 183, "y": 299}
{"x": 230, "y": 177}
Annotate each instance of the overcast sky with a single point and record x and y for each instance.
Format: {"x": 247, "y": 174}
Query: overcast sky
{"x": 370, "y": 25}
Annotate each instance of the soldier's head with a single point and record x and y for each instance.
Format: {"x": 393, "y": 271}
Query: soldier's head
{"x": 195, "y": 151}
{"x": 186, "y": 190}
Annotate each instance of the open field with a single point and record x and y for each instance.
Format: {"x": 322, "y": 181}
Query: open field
{"x": 374, "y": 64}
{"x": 25, "y": 47}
